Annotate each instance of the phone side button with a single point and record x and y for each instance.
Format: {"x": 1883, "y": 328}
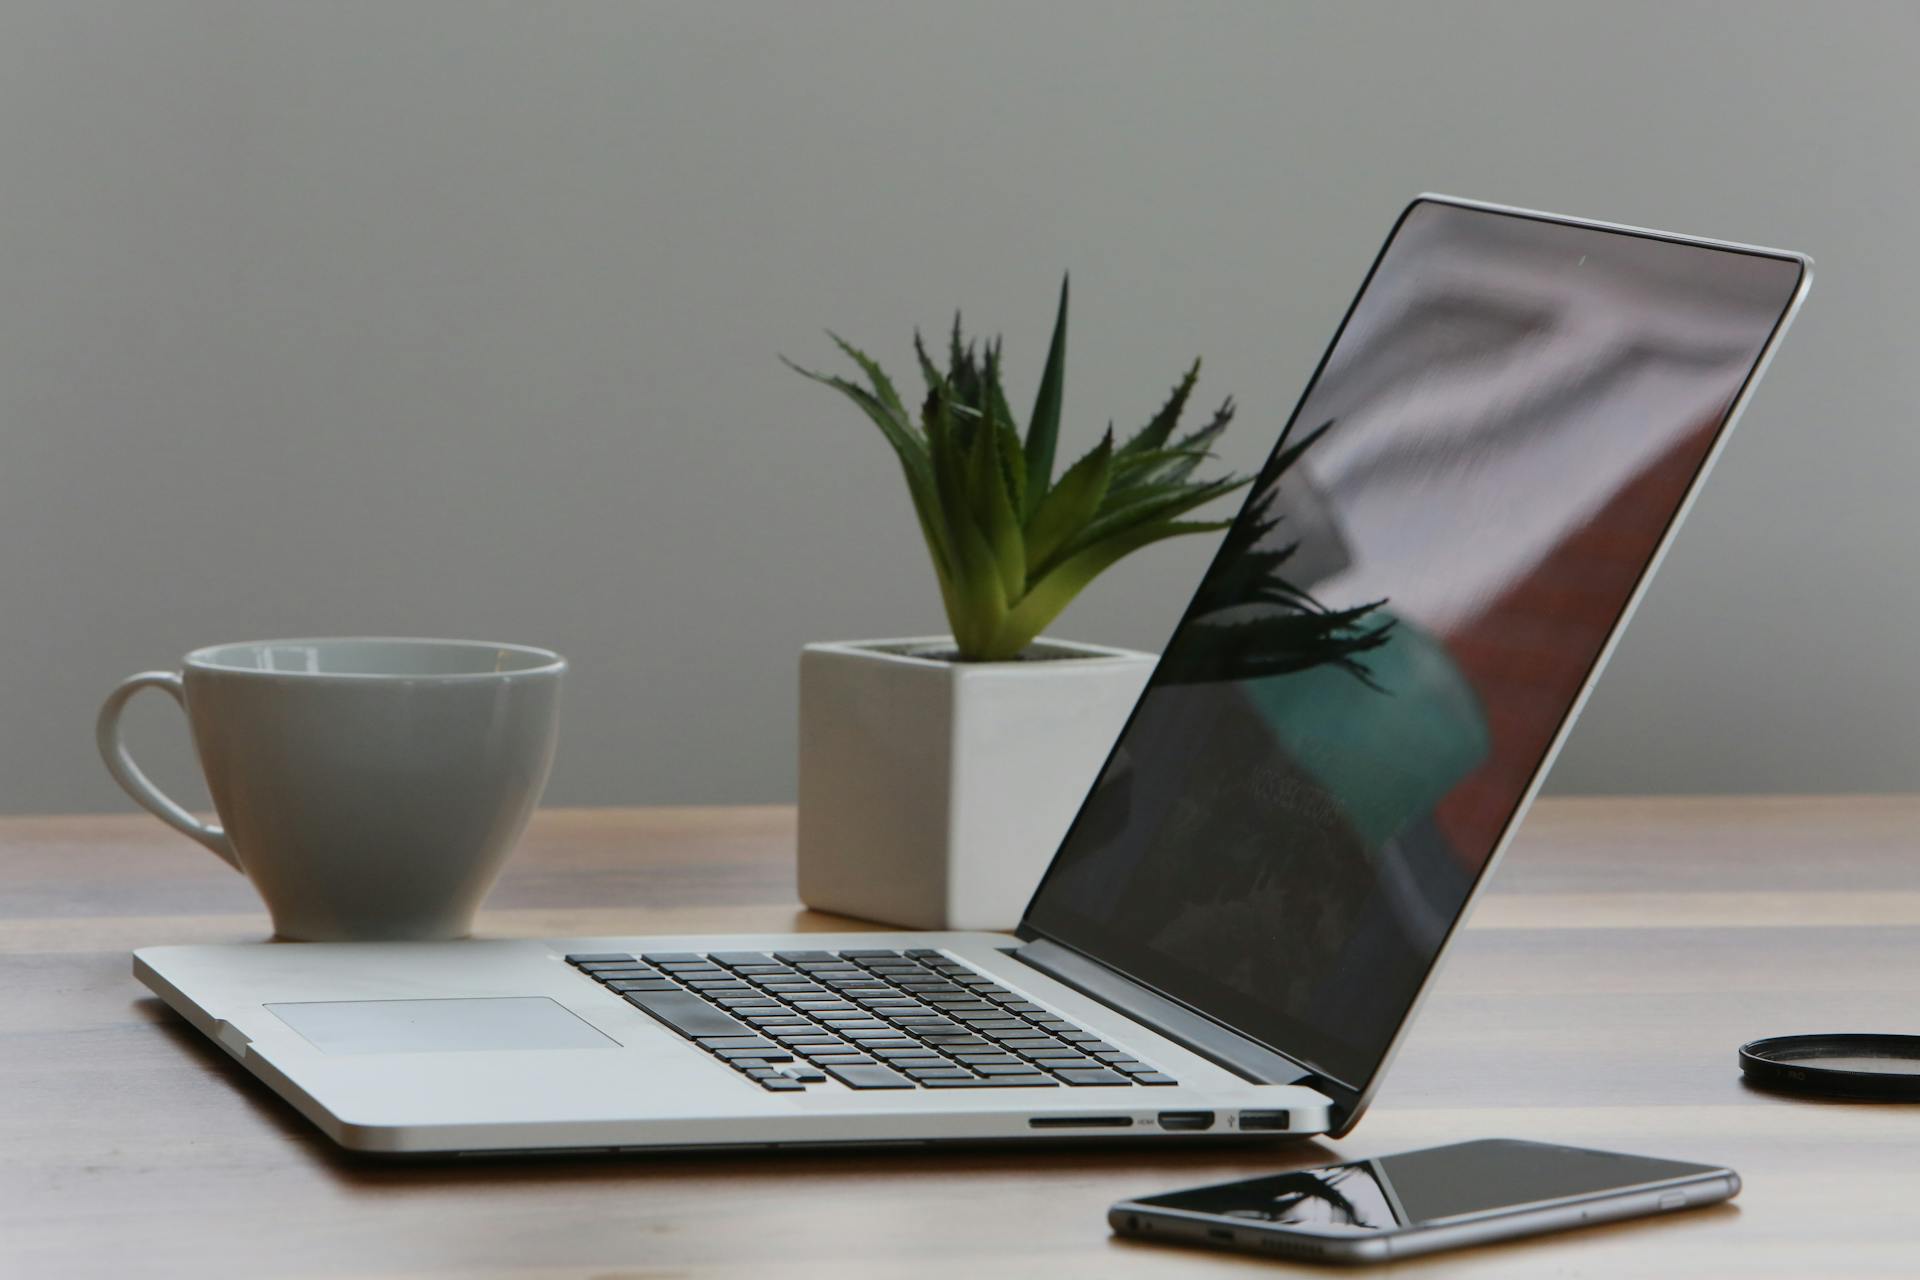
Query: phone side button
{"x": 1674, "y": 1200}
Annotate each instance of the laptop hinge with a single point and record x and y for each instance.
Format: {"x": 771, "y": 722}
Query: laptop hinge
{"x": 1203, "y": 1036}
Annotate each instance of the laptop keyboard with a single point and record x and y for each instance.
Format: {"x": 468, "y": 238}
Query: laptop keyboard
{"x": 869, "y": 1019}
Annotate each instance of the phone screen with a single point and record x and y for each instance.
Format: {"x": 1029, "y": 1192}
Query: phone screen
{"x": 1416, "y": 1188}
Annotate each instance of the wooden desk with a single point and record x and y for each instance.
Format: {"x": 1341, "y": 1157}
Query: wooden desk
{"x": 1628, "y": 947}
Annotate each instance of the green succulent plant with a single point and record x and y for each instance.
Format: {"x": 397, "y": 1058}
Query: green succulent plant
{"x": 1012, "y": 545}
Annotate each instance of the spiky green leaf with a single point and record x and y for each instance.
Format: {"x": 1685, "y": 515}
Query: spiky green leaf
{"x": 996, "y": 395}
{"x": 1046, "y": 597}
{"x": 929, "y": 371}
{"x": 882, "y": 385}
{"x": 915, "y": 461}
{"x": 992, "y": 509}
{"x": 1153, "y": 506}
{"x": 1013, "y": 471}
{"x": 978, "y": 600}
{"x": 1043, "y": 428}
{"x": 1068, "y": 508}
{"x": 1196, "y": 445}
{"x": 1007, "y": 444}
{"x": 1134, "y": 471}
{"x": 1155, "y": 434}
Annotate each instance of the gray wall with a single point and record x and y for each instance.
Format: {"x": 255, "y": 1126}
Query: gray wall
{"x": 459, "y": 318}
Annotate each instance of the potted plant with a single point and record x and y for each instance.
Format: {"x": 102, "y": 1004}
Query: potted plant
{"x": 939, "y": 773}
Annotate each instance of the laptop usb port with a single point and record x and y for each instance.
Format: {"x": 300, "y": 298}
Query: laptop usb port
{"x": 1263, "y": 1121}
{"x": 1186, "y": 1120}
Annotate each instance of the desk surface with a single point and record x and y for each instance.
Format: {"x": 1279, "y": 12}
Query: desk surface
{"x": 1626, "y": 949}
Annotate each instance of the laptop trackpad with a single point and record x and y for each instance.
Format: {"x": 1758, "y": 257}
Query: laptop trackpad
{"x": 440, "y": 1026}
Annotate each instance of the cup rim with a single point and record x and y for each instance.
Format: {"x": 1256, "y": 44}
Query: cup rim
{"x": 544, "y": 661}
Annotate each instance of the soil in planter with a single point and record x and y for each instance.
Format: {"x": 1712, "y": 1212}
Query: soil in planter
{"x": 945, "y": 653}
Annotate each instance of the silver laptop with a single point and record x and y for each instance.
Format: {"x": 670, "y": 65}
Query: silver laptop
{"x": 1339, "y": 740}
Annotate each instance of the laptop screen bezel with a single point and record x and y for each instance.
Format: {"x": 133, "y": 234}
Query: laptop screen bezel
{"x": 1351, "y": 1098}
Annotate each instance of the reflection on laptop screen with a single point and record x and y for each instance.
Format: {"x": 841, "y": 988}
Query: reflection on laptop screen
{"x": 1402, "y": 616}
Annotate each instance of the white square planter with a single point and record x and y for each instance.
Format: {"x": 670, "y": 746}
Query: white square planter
{"x": 933, "y": 794}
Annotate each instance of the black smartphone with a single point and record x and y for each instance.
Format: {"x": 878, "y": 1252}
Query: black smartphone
{"x": 1423, "y": 1201}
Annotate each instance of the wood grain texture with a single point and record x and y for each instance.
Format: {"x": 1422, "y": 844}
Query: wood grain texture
{"x": 1627, "y": 948}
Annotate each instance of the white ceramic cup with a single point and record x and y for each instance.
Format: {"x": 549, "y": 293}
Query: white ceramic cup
{"x": 371, "y": 788}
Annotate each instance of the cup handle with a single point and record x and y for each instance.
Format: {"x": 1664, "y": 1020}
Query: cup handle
{"x": 113, "y": 750}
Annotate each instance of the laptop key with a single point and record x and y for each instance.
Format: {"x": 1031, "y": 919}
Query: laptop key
{"x": 600, "y": 957}
{"x": 841, "y": 1060}
{"x": 641, "y": 984}
{"x": 1032, "y": 1079}
{"x": 1008, "y": 1068}
{"x": 768, "y": 1054}
{"x": 780, "y": 1084}
{"x": 1156, "y": 1078}
{"x": 691, "y": 1016}
{"x": 872, "y": 1077}
{"x": 714, "y": 1044}
{"x": 805, "y": 1075}
{"x": 734, "y": 959}
{"x": 1100, "y": 1077}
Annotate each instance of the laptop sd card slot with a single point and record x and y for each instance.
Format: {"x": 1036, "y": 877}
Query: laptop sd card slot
{"x": 1080, "y": 1122}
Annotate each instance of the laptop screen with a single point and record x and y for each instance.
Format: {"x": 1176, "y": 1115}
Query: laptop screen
{"x": 1402, "y": 616}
